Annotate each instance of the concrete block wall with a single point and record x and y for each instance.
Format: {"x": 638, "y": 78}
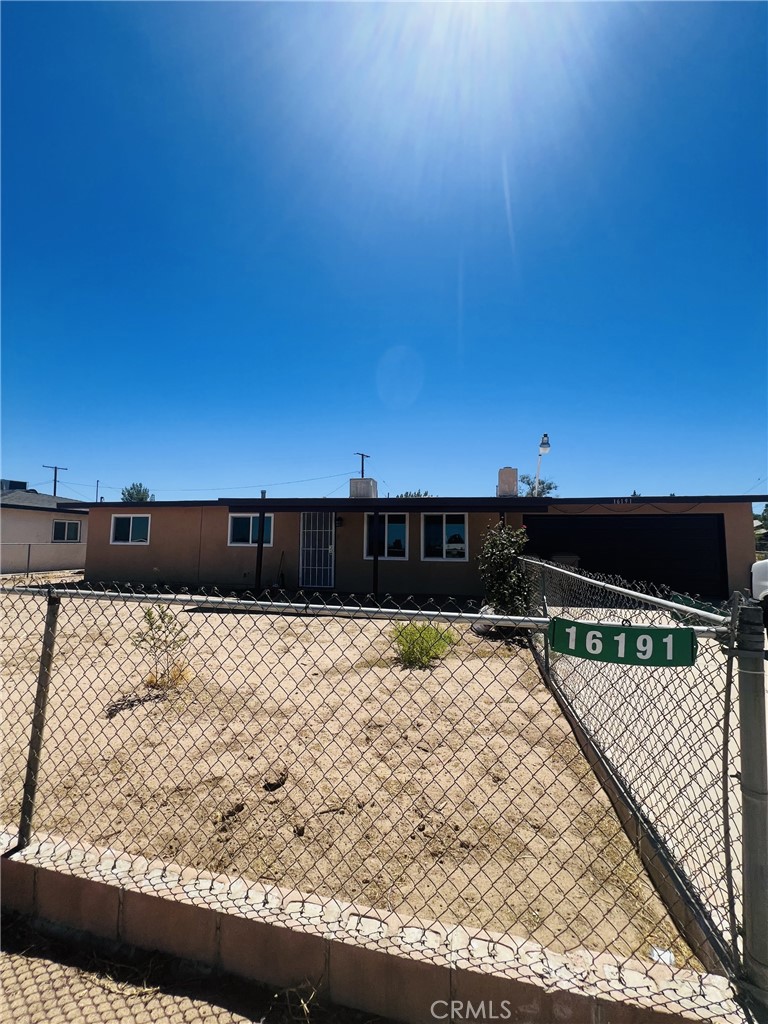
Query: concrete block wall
{"x": 409, "y": 970}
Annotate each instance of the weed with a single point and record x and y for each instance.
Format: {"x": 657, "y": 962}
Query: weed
{"x": 419, "y": 644}
{"x": 169, "y": 678}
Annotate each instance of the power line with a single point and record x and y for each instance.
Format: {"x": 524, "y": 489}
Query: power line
{"x": 334, "y": 490}
{"x": 76, "y": 493}
{"x": 235, "y": 487}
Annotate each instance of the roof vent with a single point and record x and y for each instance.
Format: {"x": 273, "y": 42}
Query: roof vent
{"x": 13, "y": 485}
{"x": 363, "y": 487}
{"x": 507, "y": 485}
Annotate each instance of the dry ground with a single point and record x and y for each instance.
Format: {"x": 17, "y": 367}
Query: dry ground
{"x": 36, "y": 579}
{"x": 299, "y": 751}
{"x": 51, "y": 978}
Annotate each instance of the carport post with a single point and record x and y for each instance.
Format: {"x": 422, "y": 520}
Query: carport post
{"x": 259, "y": 553}
{"x": 376, "y": 524}
{"x": 38, "y": 722}
{"x": 754, "y": 790}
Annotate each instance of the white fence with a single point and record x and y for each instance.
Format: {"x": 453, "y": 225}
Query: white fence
{"x": 40, "y": 557}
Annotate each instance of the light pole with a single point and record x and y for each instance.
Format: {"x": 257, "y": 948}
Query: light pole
{"x": 544, "y": 447}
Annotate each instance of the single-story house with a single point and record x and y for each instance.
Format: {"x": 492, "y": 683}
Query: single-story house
{"x": 366, "y": 544}
{"x": 36, "y": 535}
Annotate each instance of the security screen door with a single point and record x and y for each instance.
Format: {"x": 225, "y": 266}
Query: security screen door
{"x": 317, "y": 554}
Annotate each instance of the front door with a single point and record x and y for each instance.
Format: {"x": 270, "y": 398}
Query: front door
{"x": 317, "y": 549}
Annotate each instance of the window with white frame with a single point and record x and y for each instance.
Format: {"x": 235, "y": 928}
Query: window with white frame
{"x": 391, "y": 539}
{"x": 245, "y": 530}
{"x": 444, "y": 536}
{"x": 66, "y": 530}
{"x": 130, "y": 530}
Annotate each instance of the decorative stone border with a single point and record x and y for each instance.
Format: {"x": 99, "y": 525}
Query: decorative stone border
{"x": 406, "y": 969}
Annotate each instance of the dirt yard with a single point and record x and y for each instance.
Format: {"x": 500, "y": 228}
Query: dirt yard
{"x": 298, "y": 750}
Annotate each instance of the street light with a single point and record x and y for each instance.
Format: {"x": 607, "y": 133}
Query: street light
{"x": 544, "y": 447}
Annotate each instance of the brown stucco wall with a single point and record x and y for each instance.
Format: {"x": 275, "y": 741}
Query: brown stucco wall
{"x": 170, "y": 557}
{"x": 188, "y": 545}
{"x": 411, "y": 575}
{"x": 739, "y": 545}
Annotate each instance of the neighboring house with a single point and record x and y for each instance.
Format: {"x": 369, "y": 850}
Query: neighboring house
{"x": 35, "y": 534}
{"x": 699, "y": 545}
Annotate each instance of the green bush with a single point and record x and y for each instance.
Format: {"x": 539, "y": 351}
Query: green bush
{"x": 419, "y": 644}
{"x": 508, "y": 587}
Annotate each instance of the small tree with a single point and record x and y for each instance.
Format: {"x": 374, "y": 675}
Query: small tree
{"x": 415, "y": 494}
{"x": 162, "y": 637}
{"x": 137, "y": 492}
{"x": 529, "y": 482}
{"x": 508, "y": 587}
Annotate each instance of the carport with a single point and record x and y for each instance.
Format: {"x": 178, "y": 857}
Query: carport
{"x": 685, "y": 552}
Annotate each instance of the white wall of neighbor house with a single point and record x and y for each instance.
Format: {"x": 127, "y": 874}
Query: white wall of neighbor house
{"x": 26, "y": 541}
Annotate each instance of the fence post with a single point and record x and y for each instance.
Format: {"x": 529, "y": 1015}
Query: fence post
{"x": 38, "y": 721}
{"x": 545, "y": 609}
{"x": 754, "y": 789}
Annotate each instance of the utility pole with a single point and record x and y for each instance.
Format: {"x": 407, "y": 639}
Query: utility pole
{"x": 55, "y": 475}
{"x": 97, "y": 490}
{"x": 362, "y": 464}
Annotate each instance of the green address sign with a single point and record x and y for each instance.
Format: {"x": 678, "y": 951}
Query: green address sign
{"x": 623, "y": 645}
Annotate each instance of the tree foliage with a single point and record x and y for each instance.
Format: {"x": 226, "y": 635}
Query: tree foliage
{"x": 415, "y": 494}
{"x": 529, "y": 482}
{"x": 137, "y": 492}
{"x": 508, "y": 587}
{"x": 761, "y": 531}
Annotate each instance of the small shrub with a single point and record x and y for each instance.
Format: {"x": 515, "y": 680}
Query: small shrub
{"x": 508, "y": 587}
{"x": 162, "y": 637}
{"x": 419, "y": 643}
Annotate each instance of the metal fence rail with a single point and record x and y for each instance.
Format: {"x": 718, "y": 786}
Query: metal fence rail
{"x": 396, "y": 758}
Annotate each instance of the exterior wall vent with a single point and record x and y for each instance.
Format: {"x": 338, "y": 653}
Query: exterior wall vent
{"x": 507, "y": 485}
{"x": 363, "y": 487}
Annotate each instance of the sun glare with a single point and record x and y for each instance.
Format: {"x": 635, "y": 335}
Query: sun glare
{"x": 454, "y": 88}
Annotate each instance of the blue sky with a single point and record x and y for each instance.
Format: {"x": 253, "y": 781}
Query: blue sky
{"x": 242, "y": 242}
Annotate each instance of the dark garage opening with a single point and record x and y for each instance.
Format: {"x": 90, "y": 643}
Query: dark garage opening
{"x": 685, "y": 552}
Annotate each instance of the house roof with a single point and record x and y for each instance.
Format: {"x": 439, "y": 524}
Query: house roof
{"x": 429, "y": 504}
{"x": 35, "y": 501}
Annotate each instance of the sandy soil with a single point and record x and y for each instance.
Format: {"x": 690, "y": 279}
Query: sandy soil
{"x": 299, "y": 751}
{"x": 46, "y": 978}
{"x": 36, "y": 579}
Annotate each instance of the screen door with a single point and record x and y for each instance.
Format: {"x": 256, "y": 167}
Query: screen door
{"x": 317, "y": 554}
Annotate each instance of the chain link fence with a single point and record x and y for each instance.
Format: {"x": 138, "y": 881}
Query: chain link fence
{"x": 392, "y": 757}
{"x": 669, "y": 736}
